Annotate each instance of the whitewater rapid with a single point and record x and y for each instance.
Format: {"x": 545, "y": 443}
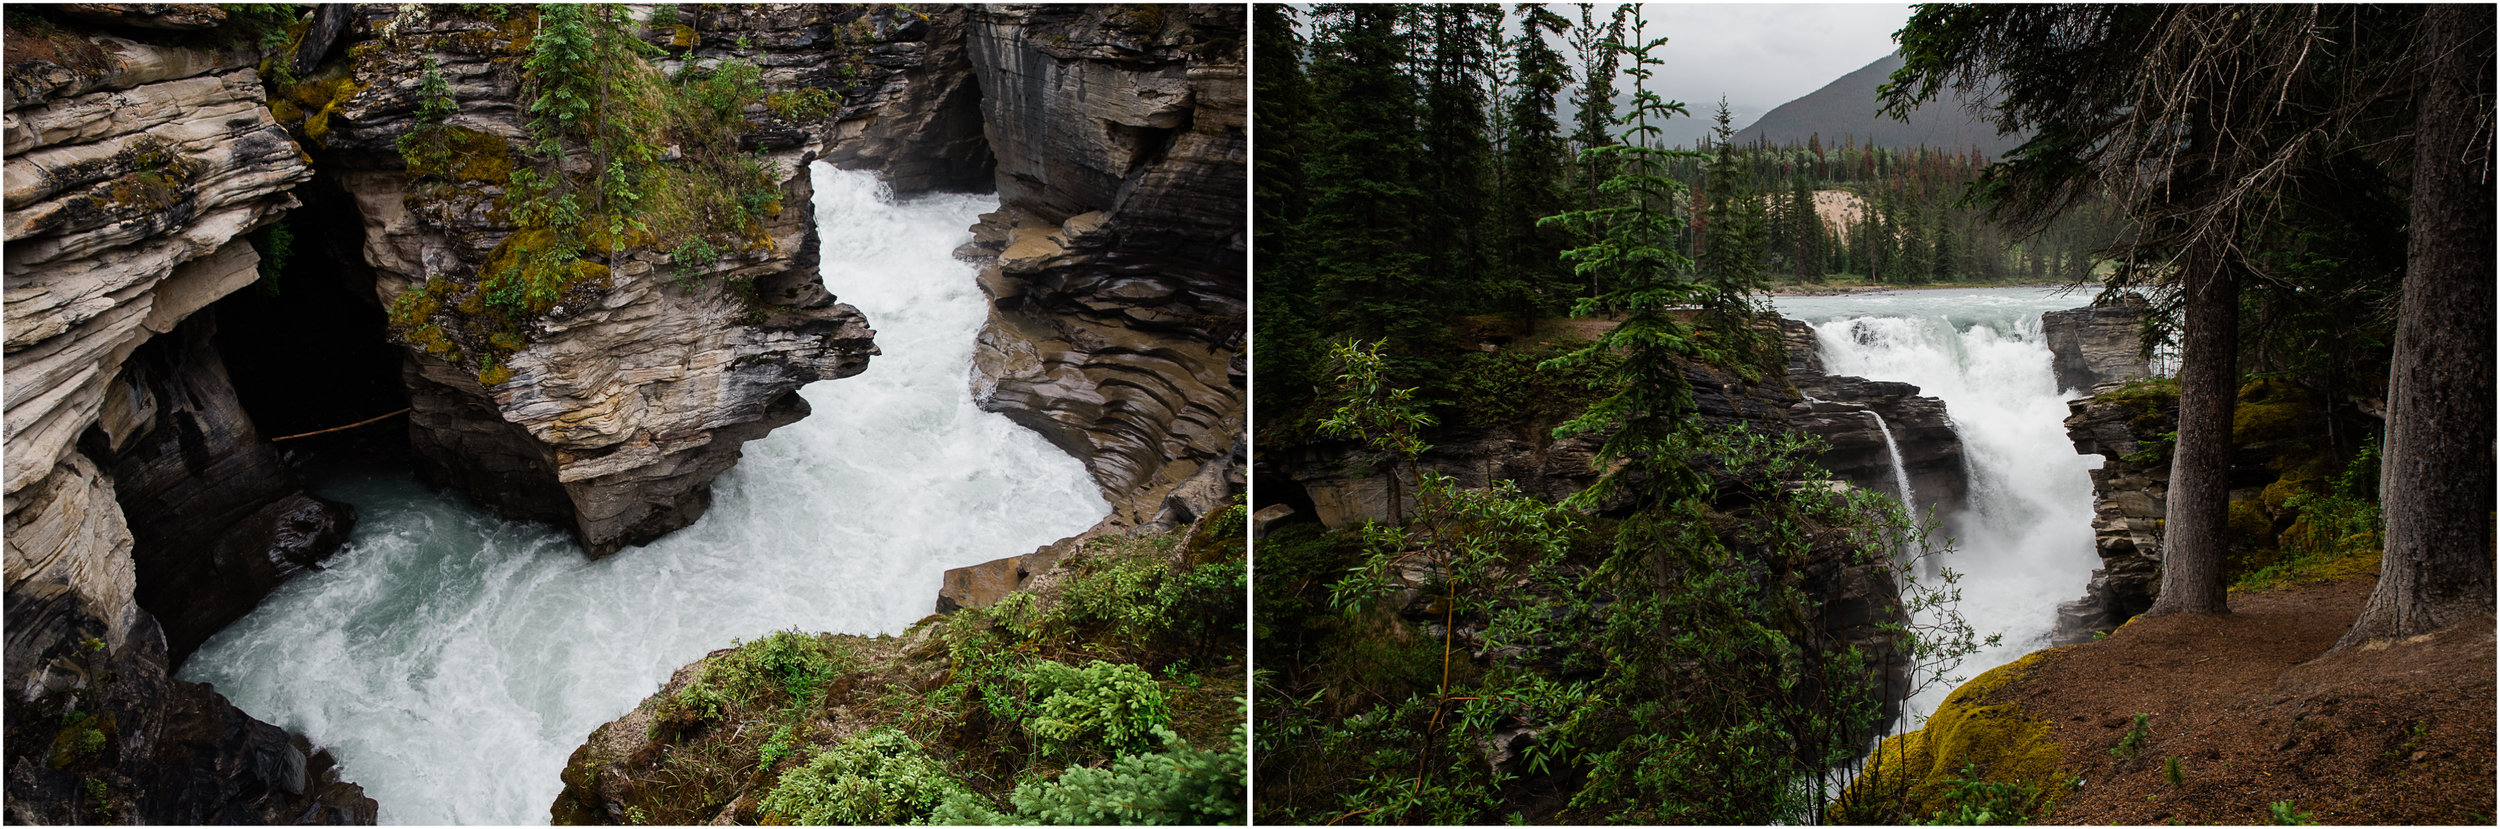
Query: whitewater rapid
{"x": 2023, "y": 542}
{"x": 453, "y": 661}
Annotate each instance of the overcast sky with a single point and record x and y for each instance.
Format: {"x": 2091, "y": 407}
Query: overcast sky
{"x": 1759, "y": 55}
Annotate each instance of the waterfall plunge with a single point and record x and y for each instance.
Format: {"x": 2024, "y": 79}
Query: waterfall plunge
{"x": 1900, "y": 471}
{"x": 453, "y": 661}
{"x": 2023, "y": 542}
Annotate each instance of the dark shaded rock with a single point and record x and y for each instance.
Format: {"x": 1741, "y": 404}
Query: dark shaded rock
{"x": 100, "y": 733}
{"x": 329, "y": 21}
{"x": 1843, "y": 411}
{"x": 2098, "y": 344}
{"x": 217, "y": 520}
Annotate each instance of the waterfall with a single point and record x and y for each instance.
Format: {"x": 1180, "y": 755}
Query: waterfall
{"x": 1900, "y": 471}
{"x": 2023, "y": 541}
{"x": 453, "y": 661}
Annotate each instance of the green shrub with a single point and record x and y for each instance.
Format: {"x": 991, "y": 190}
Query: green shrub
{"x": 2133, "y": 743}
{"x": 787, "y": 661}
{"x": 1181, "y": 785}
{"x": 881, "y": 777}
{"x": 1100, "y": 709}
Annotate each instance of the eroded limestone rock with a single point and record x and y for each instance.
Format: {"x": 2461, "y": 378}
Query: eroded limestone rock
{"x": 1119, "y": 289}
{"x": 132, "y": 170}
{"x": 631, "y": 395}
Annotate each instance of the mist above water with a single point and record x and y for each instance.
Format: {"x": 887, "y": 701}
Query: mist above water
{"x": 453, "y": 661}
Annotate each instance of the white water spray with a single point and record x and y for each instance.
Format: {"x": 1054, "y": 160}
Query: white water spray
{"x": 453, "y": 661}
{"x": 2023, "y": 542}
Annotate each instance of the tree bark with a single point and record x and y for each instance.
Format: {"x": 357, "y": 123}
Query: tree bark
{"x": 2200, "y": 466}
{"x": 2436, "y": 475}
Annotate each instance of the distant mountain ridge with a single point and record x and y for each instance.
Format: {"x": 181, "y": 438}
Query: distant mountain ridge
{"x": 1847, "y": 107}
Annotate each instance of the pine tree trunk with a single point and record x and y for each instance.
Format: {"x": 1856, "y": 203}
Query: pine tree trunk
{"x": 2200, "y": 467}
{"x": 2436, "y": 474}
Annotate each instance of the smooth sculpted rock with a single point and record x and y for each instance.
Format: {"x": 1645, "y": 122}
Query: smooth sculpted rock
{"x": 633, "y": 392}
{"x": 1118, "y": 284}
{"x": 217, "y": 520}
{"x": 2098, "y": 344}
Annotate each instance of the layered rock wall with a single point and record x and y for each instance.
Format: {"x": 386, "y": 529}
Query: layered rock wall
{"x": 2129, "y": 499}
{"x": 630, "y": 395}
{"x": 1119, "y": 286}
{"x": 133, "y": 170}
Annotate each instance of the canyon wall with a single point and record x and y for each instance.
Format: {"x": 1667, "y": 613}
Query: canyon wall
{"x": 1119, "y": 280}
{"x": 626, "y": 398}
{"x": 134, "y": 170}
{"x": 146, "y": 142}
{"x": 1116, "y": 263}
{"x": 2097, "y": 344}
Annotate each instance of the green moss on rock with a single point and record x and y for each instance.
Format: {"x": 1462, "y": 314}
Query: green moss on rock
{"x": 1906, "y": 779}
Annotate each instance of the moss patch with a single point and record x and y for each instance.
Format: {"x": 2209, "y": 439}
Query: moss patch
{"x": 1907, "y": 779}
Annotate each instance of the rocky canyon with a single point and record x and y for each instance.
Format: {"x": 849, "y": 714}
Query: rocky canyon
{"x": 186, "y": 184}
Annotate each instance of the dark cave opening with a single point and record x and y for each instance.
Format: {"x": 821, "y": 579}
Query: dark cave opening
{"x": 309, "y": 349}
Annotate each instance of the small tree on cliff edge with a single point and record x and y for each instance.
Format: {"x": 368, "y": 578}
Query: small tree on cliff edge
{"x": 1632, "y": 262}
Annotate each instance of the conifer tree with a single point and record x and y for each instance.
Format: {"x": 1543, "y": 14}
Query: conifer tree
{"x": 1361, "y": 231}
{"x": 1631, "y": 257}
{"x": 1534, "y": 170}
{"x": 1450, "y": 233}
{"x": 1730, "y": 266}
{"x": 1279, "y": 203}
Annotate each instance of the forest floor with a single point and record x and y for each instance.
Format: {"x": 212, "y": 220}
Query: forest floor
{"x": 2257, "y": 712}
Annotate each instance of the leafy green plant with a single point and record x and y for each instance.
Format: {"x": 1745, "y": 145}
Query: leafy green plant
{"x": 880, "y": 777}
{"x": 99, "y": 797}
{"x": 2283, "y": 814}
{"x": 276, "y": 245}
{"x": 787, "y": 661}
{"x": 2133, "y": 742}
{"x": 1100, "y": 709}
{"x": 1180, "y": 785}
{"x": 2170, "y": 771}
{"x": 782, "y": 744}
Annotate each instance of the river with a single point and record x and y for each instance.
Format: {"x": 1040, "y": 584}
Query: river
{"x": 453, "y": 661}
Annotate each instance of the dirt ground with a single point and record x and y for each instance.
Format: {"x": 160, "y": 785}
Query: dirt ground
{"x": 2400, "y": 733}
